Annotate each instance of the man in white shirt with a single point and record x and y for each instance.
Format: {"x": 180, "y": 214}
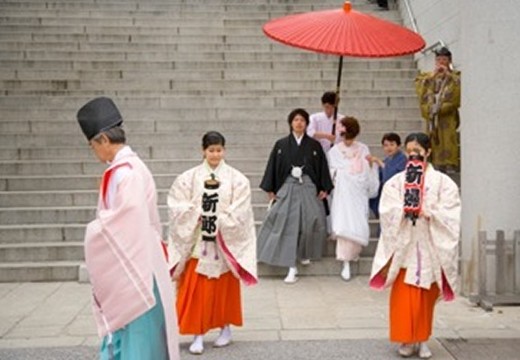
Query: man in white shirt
{"x": 321, "y": 123}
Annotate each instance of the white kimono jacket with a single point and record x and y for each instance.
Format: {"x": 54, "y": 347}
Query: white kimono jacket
{"x": 428, "y": 250}
{"x": 354, "y": 183}
{"x": 236, "y": 237}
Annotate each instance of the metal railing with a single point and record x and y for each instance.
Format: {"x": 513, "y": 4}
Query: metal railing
{"x": 498, "y": 270}
{"x": 411, "y": 16}
{"x": 413, "y": 22}
{"x": 432, "y": 47}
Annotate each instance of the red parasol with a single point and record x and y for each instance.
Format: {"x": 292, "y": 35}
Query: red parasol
{"x": 344, "y": 32}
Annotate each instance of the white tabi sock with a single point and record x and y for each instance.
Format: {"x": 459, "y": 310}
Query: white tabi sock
{"x": 224, "y": 338}
{"x": 424, "y": 351}
{"x": 345, "y": 273}
{"x": 305, "y": 262}
{"x": 197, "y": 346}
{"x": 291, "y": 277}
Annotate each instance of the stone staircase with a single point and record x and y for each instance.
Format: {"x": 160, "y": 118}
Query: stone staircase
{"x": 175, "y": 69}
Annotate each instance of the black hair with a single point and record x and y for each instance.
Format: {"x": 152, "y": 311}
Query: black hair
{"x": 392, "y": 137}
{"x": 351, "y": 127}
{"x": 295, "y": 112}
{"x": 329, "y": 97}
{"x": 443, "y": 51}
{"x": 213, "y": 138}
{"x": 115, "y": 135}
{"x": 421, "y": 138}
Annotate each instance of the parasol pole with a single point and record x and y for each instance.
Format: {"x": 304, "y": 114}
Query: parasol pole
{"x": 338, "y": 86}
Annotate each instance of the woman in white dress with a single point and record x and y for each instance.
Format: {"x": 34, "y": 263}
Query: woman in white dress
{"x": 355, "y": 181}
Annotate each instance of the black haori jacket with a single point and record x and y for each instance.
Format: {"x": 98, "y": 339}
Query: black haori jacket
{"x": 287, "y": 153}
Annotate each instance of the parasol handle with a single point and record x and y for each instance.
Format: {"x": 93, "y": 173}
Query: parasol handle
{"x": 338, "y": 86}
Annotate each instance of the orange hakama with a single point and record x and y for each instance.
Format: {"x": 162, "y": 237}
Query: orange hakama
{"x": 411, "y": 311}
{"x": 204, "y": 304}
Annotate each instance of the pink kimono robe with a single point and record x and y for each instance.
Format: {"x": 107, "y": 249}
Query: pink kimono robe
{"x": 123, "y": 253}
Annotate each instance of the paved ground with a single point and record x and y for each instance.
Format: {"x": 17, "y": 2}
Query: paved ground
{"x": 318, "y": 317}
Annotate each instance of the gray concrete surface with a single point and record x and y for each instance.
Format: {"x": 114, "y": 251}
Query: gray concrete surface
{"x": 318, "y": 317}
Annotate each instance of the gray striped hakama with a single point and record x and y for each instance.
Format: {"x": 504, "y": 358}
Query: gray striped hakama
{"x": 295, "y": 227}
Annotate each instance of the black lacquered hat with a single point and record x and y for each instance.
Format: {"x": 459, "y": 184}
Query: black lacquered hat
{"x": 443, "y": 51}
{"x": 98, "y": 115}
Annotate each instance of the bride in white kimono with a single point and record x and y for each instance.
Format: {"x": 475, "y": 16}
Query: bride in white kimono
{"x": 355, "y": 181}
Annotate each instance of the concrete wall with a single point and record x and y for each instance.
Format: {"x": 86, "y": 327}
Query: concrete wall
{"x": 436, "y": 20}
{"x": 490, "y": 124}
{"x": 484, "y": 42}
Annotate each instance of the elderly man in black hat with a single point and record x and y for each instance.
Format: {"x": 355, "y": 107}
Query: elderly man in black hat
{"x": 131, "y": 286}
{"x": 439, "y": 97}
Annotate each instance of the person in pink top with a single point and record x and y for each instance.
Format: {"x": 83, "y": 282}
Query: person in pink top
{"x": 132, "y": 293}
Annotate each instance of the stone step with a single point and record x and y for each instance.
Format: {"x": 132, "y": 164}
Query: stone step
{"x": 52, "y": 16}
{"x": 176, "y": 23}
{"x": 232, "y": 74}
{"x": 96, "y": 168}
{"x": 78, "y": 88}
{"x": 204, "y": 58}
{"x": 146, "y": 151}
{"x": 42, "y": 127}
{"x": 125, "y": 93}
{"x": 267, "y": 60}
{"x": 79, "y": 153}
{"x": 82, "y": 214}
{"x": 198, "y": 2}
{"x": 39, "y": 271}
{"x": 161, "y": 36}
{"x": 226, "y": 114}
{"x": 167, "y": 108}
{"x": 73, "y": 232}
{"x": 40, "y": 233}
{"x": 124, "y": 33}
{"x": 172, "y": 19}
{"x": 149, "y": 9}
{"x": 70, "y": 270}
{"x": 236, "y": 138}
{"x": 135, "y": 47}
{"x": 42, "y": 252}
{"x": 174, "y": 26}
{"x": 219, "y": 23}
{"x": 175, "y": 84}
{"x": 70, "y": 198}
{"x": 83, "y": 182}
{"x": 75, "y": 214}
{"x": 73, "y": 251}
{"x": 211, "y": 102}
{"x": 128, "y": 8}
{"x": 223, "y": 108}
{"x": 272, "y": 63}
{"x": 146, "y": 17}
{"x": 142, "y": 23}
{"x": 50, "y": 233}
{"x": 150, "y": 111}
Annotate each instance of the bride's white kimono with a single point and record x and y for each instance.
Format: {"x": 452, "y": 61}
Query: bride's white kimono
{"x": 429, "y": 250}
{"x": 355, "y": 181}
